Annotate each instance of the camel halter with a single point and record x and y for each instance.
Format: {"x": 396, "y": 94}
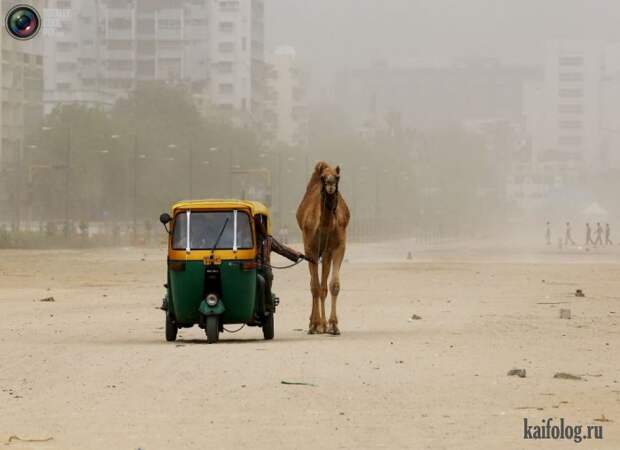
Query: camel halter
{"x": 285, "y": 267}
{"x": 325, "y": 197}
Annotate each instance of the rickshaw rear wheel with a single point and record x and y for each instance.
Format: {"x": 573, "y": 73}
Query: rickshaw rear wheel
{"x": 212, "y": 329}
{"x": 171, "y": 329}
{"x": 268, "y": 327}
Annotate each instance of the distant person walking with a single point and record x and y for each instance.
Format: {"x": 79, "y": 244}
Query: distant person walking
{"x": 589, "y": 240}
{"x": 599, "y": 234}
{"x": 568, "y": 237}
{"x": 548, "y": 233}
{"x": 608, "y": 235}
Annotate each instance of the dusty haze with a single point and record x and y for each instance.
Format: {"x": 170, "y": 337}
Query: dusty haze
{"x": 466, "y": 119}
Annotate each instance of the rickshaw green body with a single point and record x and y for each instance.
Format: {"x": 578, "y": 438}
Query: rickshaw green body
{"x": 186, "y": 292}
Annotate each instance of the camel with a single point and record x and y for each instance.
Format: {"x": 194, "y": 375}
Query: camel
{"x": 323, "y": 216}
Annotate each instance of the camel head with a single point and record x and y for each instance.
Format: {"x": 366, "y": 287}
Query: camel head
{"x": 330, "y": 177}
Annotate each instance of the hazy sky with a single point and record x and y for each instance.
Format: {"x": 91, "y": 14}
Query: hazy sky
{"x": 332, "y": 34}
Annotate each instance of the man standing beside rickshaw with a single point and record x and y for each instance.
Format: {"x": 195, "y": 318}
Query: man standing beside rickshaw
{"x": 267, "y": 244}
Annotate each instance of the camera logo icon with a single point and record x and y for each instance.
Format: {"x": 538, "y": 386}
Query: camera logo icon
{"x": 23, "y": 22}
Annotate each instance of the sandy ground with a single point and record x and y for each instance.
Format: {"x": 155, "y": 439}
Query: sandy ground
{"x": 92, "y": 370}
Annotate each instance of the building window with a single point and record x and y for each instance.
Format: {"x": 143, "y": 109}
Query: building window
{"x": 146, "y": 68}
{"x": 231, "y": 5}
{"x": 170, "y": 67}
{"x": 571, "y": 61}
{"x": 571, "y": 76}
{"x": 570, "y": 109}
{"x": 146, "y": 47}
{"x": 226, "y": 27}
{"x": 570, "y": 140}
{"x": 225, "y": 67}
{"x": 571, "y": 125}
{"x": 146, "y": 26}
{"x": 226, "y": 88}
{"x": 66, "y": 67}
{"x": 120, "y": 45}
{"x": 120, "y": 84}
{"x": 169, "y": 45}
{"x": 65, "y": 46}
{"x": 571, "y": 93}
{"x": 169, "y": 24}
{"x": 120, "y": 65}
{"x": 120, "y": 23}
{"x": 226, "y": 47}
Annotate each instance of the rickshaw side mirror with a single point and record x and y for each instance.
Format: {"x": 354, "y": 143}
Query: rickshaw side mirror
{"x": 165, "y": 219}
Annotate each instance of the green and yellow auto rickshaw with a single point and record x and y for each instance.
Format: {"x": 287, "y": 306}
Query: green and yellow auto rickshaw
{"x": 213, "y": 276}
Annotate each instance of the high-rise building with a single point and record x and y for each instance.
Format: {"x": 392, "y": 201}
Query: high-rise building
{"x": 571, "y": 119}
{"x": 569, "y": 134}
{"x": 285, "y": 107}
{"x": 572, "y": 114}
{"x": 73, "y": 55}
{"x": 237, "y": 68}
{"x": 104, "y": 48}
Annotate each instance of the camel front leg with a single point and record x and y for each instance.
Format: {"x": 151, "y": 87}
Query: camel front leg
{"x": 315, "y": 287}
{"x": 325, "y": 268}
{"x": 334, "y": 289}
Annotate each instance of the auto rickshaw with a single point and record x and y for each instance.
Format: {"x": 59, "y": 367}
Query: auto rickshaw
{"x": 213, "y": 276}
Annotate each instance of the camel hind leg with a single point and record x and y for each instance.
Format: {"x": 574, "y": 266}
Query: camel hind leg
{"x": 334, "y": 289}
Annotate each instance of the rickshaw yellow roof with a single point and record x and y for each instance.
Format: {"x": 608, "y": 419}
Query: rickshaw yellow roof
{"x": 254, "y": 207}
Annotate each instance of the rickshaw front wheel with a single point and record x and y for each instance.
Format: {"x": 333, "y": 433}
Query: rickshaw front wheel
{"x": 268, "y": 327}
{"x": 171, "y": 329}
{"x": 212, "y": 329}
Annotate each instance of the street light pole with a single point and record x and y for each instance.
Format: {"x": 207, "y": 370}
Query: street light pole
{"x": 67, "y": 178}
{"x": 191, "y": 165}
{"x": 135, "y": 186}
{"x": 280, "y": 188}
{"x": 19, "y": 177}
{"x": 230, "y": 169}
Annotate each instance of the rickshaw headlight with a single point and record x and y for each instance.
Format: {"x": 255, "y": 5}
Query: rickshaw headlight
{"x": 212, "y": 299}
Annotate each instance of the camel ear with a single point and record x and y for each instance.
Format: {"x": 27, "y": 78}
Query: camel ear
{"x": 338, "y": 170}
{"x": 320, "y": 166}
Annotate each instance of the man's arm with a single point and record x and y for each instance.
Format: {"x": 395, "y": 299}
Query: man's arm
{"x": 285, "y": 251}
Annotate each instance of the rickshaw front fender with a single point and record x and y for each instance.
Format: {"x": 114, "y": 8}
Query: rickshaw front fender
{"x": 207, "y": 310}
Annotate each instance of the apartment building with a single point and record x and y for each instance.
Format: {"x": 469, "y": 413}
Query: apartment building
{"x": 237, "y": 69}
{"x": 571, "y": 117}
{"x": 285, "y": 101}
{"x": 571, "y": 108}
{"x": 73, "y": 55}
{"x": 104, "y": 48}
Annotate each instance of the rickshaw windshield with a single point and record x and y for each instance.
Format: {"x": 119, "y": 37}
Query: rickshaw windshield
{"x": 205, "y": 227}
